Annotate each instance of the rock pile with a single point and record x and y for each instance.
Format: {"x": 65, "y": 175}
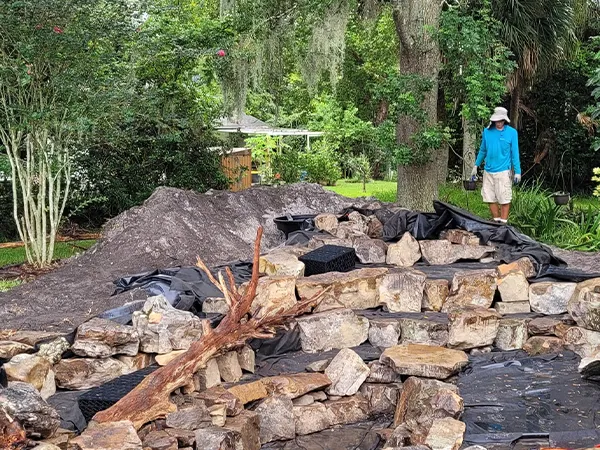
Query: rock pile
{"x": 423, "y": 346}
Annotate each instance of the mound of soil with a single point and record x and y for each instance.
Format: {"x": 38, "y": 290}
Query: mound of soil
{"x": 170, "y": 229}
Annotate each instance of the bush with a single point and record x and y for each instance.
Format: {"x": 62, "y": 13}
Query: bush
{"x": 288, "y": 165}
{"x": 322, "y": 164}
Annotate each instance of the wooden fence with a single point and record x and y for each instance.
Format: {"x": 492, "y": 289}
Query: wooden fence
{"x": 238, "y": 168}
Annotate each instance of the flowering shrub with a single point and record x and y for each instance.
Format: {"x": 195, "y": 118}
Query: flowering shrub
{"x": 596, "y": 178}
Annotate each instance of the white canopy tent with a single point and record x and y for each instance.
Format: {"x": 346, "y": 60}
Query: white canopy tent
{"x": 247, "y": 124}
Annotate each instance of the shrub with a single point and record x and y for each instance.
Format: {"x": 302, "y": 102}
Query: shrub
{"x": 322, "y": 164}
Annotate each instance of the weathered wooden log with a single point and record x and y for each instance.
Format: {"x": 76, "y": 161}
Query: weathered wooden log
{"x": 150, "y": 400}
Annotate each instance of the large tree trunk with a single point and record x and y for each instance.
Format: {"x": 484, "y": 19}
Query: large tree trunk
{"x": 515, "y": 102}
{"x": 444, "y": 152}
{"x": 469, "y": 144}
{"x": 415, "y": 22}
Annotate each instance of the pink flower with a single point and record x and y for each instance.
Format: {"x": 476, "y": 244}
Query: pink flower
{"x": 221, "y": 53}
{"x": 58, "y": 30}
{"x": 39, "y": 26}
{"x": 277, "y": 176}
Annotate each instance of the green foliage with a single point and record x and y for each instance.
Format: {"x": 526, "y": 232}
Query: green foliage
{"x": 160, "y": 130}
{"x": 11, "y": 256}
{"x": 361, "y": 169}
{"x": 476, "y": 63}
{"x": 6, "y": 285}
{"x": 287, "y": 165}
{"x": 594, "y": 109}
{"x": 322, "y": 164}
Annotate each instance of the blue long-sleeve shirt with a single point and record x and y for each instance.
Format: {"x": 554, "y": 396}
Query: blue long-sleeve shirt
{"x": 500, "y": 150}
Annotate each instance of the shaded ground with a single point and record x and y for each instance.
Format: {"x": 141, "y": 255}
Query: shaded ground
{"x": 170, "y": 229}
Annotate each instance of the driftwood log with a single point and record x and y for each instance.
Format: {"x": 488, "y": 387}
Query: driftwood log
{"x": 150, "y": 400}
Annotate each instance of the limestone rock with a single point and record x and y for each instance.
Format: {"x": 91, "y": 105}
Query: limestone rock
{"x": 462, "y": 237}
{"x": 101, "y": 338}
{"x": 584, "y": 342}
{"x": 424, "y": 360}
{"x": 321, "y": 240}
{"x": 109, "y": 436}
{"x": 184, "y": 437}
{"x": 523, "y": 265}
{"x": 159, "y": 440}
{"x": 423, "y": 402}
{"x": 513, "y": 287}
{"x": 472, "y": 327}
{"x": 272, "y": 295}
{"x": 542, "y": 345}
{"x": 190, "y": 417}
{"x": 162, "y": 328}
{"x": 590, "y": 367}
{"x": 215, "y": 305}
{"x": 382, "y": 373}
{"x": 218, "y": 395}
{"x": 446, "y": 434}
{"x": 542, "y": 326}
{"x": 351, "y": 230}
{"x": 512, "y": 307}
{"x": 305, "y": 400}
{"x": 402, "y": 291}
{"x": 24, "y": 403}
{"x": 246, "y": 358}
{"x": 53, "y": 350}
{"x": 442, "y": 252}
{"x": 215, "y": 438}
{"x": 375, "y": 228}
{"x": 332, "y": 329}
{"x": 423, "y": 331}
{"x": 276, "y": 417}
{"x": 384, "y": 332}
{"x": 550, "y": 298}
{"x": 249, "y": 392}
{"x": 281, "y": 264}
{"x": 472, "y": 288}
{"x": 246, "y": 429}
{"x": 404, "y": 253}
{"x": 295, "y": 385}
{"x": 137, "y": 362}
{"x": 46, "y": 446}
{"x": 78, "y": 374}
{"x": 512, "y": 334}
{"x": 312, "y": 418}
{"x": 34, "y": 370}
{"x": 370, "y": 251}
{"x": 28, "y": 337}
{"x": 382, "y": 398}
{"x": 326, "y": 222}
{"x": 435, "y": 294}
{"x": 347, "y": 373}
{"x": 319, "y": 396}
{"x": 584, "y": 305}
{"x": 229, "y": 367}
{"x": 8, "y": 349}
{"x": 358, "y": 289}
{"x": 349, "y": 409}
{"x": 318, "y": 366}
{"x": 207, "y": 377}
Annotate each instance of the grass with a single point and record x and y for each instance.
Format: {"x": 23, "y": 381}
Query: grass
{"x": 11, "y": 256}
{"x": 6, "y": 285}
{"x": 353, "y": 189}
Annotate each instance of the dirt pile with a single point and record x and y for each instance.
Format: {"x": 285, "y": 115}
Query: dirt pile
{"x": 170, "y": 229}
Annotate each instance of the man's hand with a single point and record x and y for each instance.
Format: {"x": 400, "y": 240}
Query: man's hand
{"x": 474, "y": 173}
{"x": 517, "y": 178}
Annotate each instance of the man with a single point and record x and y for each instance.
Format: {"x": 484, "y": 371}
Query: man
{"x": 500, "y": 151}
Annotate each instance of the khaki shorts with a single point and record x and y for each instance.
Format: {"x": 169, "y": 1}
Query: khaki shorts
{"x": 497, "y": 187}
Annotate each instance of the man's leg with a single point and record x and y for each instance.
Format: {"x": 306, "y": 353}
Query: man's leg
{"x": 505, "y": 210}
{"x": 495, "y": 210}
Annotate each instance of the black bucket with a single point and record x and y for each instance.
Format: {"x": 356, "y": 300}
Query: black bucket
{"x": 561, "y": 198}
{"x": 297, "y": 223}
{"x": 469, "y": 185}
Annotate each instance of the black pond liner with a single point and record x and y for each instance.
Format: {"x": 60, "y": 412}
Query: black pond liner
{"x": 289, "y": 224}
{"x": 510, "y": 396}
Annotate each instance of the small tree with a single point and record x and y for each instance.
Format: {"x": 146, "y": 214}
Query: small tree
{"x": 361, "y": 166}
{"x": 58, "y": 65}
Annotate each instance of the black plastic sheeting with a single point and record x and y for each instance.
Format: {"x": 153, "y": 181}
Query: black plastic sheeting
{"x": 510, "y": 396}
{"x": 186, "y": 288}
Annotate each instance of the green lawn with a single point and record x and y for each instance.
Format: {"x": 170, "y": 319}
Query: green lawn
{"x": 353, "y": 190}
{"x": 10, "y": 256}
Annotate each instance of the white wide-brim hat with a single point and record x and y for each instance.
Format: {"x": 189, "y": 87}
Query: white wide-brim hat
{"x": 500, "y": 114}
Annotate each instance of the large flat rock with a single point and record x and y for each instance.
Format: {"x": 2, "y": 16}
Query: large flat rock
{"x": 424, "y": 360}
{"x": 169, "y": 229}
